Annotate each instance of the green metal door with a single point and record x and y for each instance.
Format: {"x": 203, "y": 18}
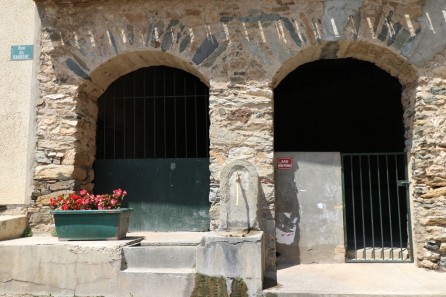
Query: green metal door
{"x": 165, "y": 194}
{"x": 376, "y": 208}
{"x": 152, "y": 140}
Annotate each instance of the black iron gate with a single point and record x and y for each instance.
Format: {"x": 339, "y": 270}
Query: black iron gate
{"x": 376, "y": 214}
{"x": 152, "y": 139}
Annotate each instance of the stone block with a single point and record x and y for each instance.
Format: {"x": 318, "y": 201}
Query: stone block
{"x": 160, "y": 256}
{"x": 239, "y": 196}
{"x": 234, "y": 255}
{"x": 41, "y": 158}
{"x": 12, "y": 226}
{"x": 45, "y": 199}
{"x": 435, "y": 193}
{"x": 434, "y": 221}
{"x": 43, "y": 266}
{"x": 62, "y": 185}
{"x": 59, "y": 172}
{"x": 41, "y": 217}
{"x": 143, "y": 283}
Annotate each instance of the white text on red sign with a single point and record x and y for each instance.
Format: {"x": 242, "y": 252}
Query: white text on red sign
{"x": 284, "y": 163}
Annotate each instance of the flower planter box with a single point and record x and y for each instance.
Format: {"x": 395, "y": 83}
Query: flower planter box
{"x": 92, "y": 224}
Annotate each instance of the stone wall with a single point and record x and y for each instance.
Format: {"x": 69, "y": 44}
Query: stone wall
{"x": 241, "y": 52}
{"x": 428, "y": 168}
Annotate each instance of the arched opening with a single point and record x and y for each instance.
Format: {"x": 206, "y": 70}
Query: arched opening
{"x": 343, "y": 105}
{"x": 340, "y": 125}
{"x": 152, "y": 139}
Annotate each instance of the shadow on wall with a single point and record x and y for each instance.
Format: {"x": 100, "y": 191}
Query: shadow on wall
{"x": 267, "y": 225}
{"x": 287, "y": 217}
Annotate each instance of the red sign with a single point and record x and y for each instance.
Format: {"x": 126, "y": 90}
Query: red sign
{"x": 284, "y": 163}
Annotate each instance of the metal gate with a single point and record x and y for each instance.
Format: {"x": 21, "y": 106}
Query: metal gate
{"x": 152, "y": 139}
{"x": 376, "y": 202}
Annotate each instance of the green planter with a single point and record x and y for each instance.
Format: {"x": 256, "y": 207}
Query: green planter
{"x": 92, "y": 224}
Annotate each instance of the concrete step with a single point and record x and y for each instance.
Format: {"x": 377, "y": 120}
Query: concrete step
{"x": 137, "y": 282}
{"x": 160, "y": 256}
{"x": 12, "y": 227}
{"x": 171, "y": 238}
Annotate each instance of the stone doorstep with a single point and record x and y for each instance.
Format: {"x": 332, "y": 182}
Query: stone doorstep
{"x": 12, "y": 227}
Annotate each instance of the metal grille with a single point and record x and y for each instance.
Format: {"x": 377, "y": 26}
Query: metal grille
{"x": 155, "y": 112}
{"x": 377, "y": 217}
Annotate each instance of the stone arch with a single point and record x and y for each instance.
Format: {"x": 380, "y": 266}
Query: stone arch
{"x": 106, "y": 73}
{"x": 91, "y": 88}
{"x": 381, "y": 56}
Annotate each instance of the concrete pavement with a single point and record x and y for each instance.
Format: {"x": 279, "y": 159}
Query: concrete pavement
{"x": 357, "y": 279}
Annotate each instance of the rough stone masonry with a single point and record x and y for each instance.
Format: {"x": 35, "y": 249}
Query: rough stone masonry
{"x": 242, "y": 51}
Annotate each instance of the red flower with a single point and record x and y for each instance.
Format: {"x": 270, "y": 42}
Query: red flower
{"x": 86, "y": 200}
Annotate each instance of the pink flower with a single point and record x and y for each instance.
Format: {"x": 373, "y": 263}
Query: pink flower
{"x": 86, "y": 200}
{"x": 117, "y": 193}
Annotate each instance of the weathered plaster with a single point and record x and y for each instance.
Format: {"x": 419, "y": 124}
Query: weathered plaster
{"x": 18, "y": 88}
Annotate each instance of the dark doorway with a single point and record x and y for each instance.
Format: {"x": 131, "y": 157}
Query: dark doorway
{"x": 152, "y": 139}
{"x": 343, "y": 105}
{"x": 354, "y": 108}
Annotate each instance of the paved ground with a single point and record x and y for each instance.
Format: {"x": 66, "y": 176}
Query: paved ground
{"x": 357, "y": 280}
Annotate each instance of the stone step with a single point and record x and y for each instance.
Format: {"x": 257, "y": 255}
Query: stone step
{"x": 12, "y": 227}
{"x": 160, "y": 256}
{"x": 379, "y": 254}
{"x": 137, "y": 282}
{"x": 171, "y": 238}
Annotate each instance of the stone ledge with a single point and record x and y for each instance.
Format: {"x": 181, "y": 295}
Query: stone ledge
{"x": 12, "y": 227}
{"x": 42, "y": 266}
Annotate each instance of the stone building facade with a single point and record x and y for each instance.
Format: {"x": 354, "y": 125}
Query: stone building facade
{"x": 241, "y": 51}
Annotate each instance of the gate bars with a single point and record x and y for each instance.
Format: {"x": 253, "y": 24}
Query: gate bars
{"x": 157, "y": 112}
{"x": 376, "y": 201}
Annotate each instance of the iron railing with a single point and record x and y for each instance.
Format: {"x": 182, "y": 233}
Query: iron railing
{"x": 376, "y": 214}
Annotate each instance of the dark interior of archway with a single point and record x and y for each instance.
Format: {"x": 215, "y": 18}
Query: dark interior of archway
{"x": 351, "y": 106}
{"x": 343, "y": 105}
